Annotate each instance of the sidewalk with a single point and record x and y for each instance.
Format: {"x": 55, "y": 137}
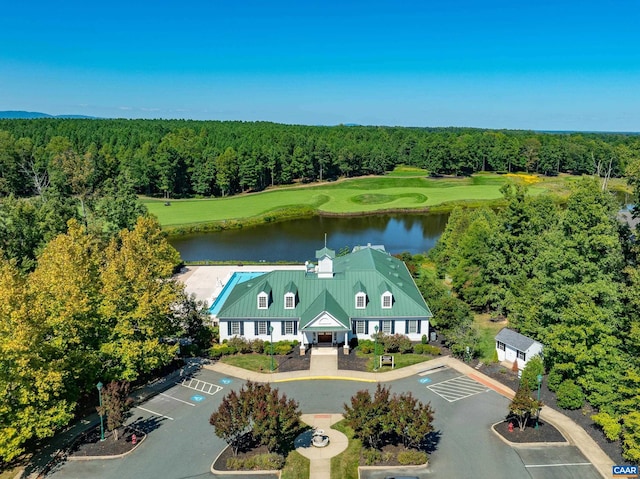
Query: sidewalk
{"x": 325, "y": 369}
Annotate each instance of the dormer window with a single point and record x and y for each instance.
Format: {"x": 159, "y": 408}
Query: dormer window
{"x": 290, "y": 296}
{"x": 264, "y": 296}
{"x": 361, "y": 300}
{"x": 387, "y": 300}
{"x": 289, "y": 301}
{"x": 263, "y": 300}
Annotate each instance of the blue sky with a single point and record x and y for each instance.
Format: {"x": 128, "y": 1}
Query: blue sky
{"x": 545, "y": 65}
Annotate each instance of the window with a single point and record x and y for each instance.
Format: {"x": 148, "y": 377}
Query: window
{"x": 501, "y": 346}
{"x": 360, "y": 327}
{"x": 361, "y": 300}
{"x": 235, "y": 328}
{"x": 412, "y": 326}
{"x": 522, "y": 355}
{"x": 386, "y": 300}
{"x": 289, "y": 301}
{"x": 262, "y": 301}
{"x": 386, "y": 327}
{"x": 262, "y": 327}
{"x": 288, "y": 327}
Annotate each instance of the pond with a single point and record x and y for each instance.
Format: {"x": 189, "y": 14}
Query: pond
{"x": 297, "y": 240}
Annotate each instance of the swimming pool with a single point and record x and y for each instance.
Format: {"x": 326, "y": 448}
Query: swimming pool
{"x": 236, "y": 278}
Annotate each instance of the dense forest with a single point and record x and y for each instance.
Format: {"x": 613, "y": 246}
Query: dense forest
{"x": 568, "y": 277}
{"x": 180, "y": 158}
{"x": 85, "y": 288}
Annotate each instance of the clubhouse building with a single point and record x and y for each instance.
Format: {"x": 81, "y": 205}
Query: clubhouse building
{"x": 327, "y": 303}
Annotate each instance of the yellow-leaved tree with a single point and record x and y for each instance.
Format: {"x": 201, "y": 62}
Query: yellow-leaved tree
{"x": 139, "y": 301}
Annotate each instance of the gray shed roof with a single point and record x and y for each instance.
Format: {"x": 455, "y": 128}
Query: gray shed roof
{"x": 515, "y": 340}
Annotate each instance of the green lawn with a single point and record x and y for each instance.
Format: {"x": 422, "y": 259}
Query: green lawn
{"x": 401, "y": 360}
{"x": 252, "y": 362}
{"x": 345, "y": 464}
{"x": 394, "y": 191}
{"x": 296, "y": 467}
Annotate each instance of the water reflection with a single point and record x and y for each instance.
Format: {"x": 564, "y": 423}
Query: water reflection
{"x": 297, "y": 240}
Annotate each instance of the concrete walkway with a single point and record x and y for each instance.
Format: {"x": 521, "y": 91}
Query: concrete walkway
{"x": 325, "y": 366}
{"x": 320, "y": 457}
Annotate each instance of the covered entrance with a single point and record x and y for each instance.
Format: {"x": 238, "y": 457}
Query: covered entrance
{"x": 325, "y": 338}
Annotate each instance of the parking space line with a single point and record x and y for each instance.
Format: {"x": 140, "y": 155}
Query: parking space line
{"x": 560, "y": 465}
{"x": 154, "y": 413}
{"x": 176, "y": 399}
{"x": 457, "y": 388}
{"x": 201, "y": 386}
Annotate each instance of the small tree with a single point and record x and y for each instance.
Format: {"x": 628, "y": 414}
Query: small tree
{"x": 115, "y": 404}
{"x": 368, "y": 416}
{"x": 231, "y": 421}
{"x": 523, "y": 406}
{"x": 410, "y": 419}
{"x": 273, "y": 420}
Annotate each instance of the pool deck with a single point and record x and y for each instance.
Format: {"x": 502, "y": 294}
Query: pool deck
{"x": 206, "y": 282}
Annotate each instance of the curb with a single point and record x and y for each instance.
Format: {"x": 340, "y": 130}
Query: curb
{"x": 566, "y": 442}
{"x": 215, "y": 472}
{"x": 115, "y": 456}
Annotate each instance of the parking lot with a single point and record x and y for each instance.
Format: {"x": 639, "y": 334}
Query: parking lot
{"x": 181, "y": 443}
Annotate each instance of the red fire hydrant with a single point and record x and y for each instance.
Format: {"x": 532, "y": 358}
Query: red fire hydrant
{"x": 134, "y": 439}
{"x": 510, "y": 427}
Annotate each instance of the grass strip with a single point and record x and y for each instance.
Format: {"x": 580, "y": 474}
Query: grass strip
{"x": 345, "y": 464}
{"x": 296, "y": 467}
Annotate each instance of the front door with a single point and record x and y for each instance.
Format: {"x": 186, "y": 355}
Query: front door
{"x": 324, "y": 338}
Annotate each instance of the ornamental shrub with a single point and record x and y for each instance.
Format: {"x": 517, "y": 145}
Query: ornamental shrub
{"x": 365, "y": 346}
{"x": 371, "y": 456}
{"x": 569, "y": 395}
{"x": 554, "y": 378}
{"x": 412, "y": 457}
{"x": 240, "y": 344}
{"x": 283, "y": 347}
{"x": 257, "y": 346}
{"x": 531, "y": 370}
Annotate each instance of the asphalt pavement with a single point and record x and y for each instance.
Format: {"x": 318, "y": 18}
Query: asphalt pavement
{"x": 181, "y": 443}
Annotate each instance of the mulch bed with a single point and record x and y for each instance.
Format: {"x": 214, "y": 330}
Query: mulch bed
{"x": 293, "y": 361}
{"x": 582, "y": 416}
{"x": 351, "y": 361}
{"x": 544, "y": 433}
{"x": 89, "y": 444}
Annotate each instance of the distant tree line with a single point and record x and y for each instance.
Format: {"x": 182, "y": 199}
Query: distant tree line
{"x": 180, "y": 158}
{"x": 568, "y": 277}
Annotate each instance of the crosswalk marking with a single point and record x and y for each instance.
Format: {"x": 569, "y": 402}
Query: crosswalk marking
{"x": 201, "y": 386}
{"x": 457, "y": 388}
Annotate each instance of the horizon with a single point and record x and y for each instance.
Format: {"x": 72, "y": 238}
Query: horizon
{"x": 553, "y": 66}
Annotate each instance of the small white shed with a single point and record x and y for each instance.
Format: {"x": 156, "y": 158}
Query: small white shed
{"x": 513, "y": 346}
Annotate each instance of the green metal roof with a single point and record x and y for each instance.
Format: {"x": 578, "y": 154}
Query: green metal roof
{"x": 325, "y": 303}
{"x": 325, "y": 252}
{"x": 370, "y": 267}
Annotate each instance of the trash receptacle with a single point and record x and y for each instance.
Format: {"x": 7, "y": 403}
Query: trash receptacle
{"x": 433, "y": 336}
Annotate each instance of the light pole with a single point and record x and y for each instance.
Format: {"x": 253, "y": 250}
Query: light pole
{"x": 375, "y": 348}
{"x": 271, "y": 344}
{"x": 99, "y": 386}
{"x": 539, "y": 379}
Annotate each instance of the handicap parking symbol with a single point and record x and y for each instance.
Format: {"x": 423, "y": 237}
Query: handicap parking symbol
{"x": 424, "y": 380}
{"x": 197, "y": 398}
{"x": 226, "y": 381}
